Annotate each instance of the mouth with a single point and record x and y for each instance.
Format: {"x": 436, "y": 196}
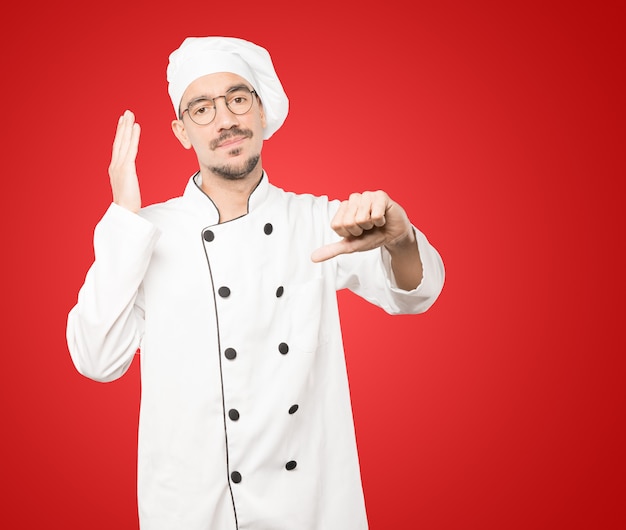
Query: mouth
{"x": 231, "y": 139}
{"x": 231, "y": 142}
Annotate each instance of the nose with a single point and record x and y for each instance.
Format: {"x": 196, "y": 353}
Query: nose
{"x": 224, "y": 118}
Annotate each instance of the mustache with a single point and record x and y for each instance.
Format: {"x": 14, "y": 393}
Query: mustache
{"x": 230, "y": 133}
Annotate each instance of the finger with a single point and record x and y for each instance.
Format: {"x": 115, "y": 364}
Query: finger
{"x": 357, "y": 215}
{"x": 340, "y": 219}
{"x": 328, "y": 251}
{"x": 346, "y": 221}
{"x": 133, "y": 145}
{"x": 368, "y": 241}
{"x": 128, "y": 126}
{"x": 126, "y": 144}
{"x": 380, "y": 205}
{"x": 363, "y": 214}
{"x": 117, "y": 139}
{"x": 124, "y": 134}
{"x": 121, "y": 138}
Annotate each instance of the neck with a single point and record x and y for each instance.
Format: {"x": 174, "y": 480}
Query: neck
{"x": 231, "y": 196}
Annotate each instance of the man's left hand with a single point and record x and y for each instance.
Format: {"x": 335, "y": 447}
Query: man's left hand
{"x": 365, "y": 221}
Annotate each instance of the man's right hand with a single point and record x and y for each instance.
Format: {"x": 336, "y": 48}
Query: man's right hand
{"x": 122, "y": 170}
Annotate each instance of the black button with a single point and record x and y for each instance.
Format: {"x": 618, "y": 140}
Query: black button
{"x": 224, "y": 292}
{"x": 293, "y": 408}
{"x": 233, "y": 414}
{"x": 208, "y": 235}
{"x": 291, "y": 465}
{"x": 283, "y": 348}
{"x": 230, "y": 353}
{"x": 268, "y": 228}
{"x": 280, "y": 291}
{"x": 235, "y": 476}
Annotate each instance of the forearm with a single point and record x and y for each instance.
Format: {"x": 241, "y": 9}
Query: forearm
{"x": 406, "y": 262}
{"x": 105, "y": 326}
{"x": 102, "y": 347}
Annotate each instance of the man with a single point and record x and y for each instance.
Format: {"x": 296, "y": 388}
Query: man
{"x": 229, "y": 292}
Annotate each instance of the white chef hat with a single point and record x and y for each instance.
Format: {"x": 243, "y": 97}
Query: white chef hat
{"x": 199, "y": 56}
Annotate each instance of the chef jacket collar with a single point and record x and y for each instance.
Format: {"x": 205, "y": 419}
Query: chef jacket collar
{"x": 203, "y": 202}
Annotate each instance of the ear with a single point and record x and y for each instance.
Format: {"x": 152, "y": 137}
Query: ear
{"x": 178, "y": 128}
{"x": 262, "y": 111}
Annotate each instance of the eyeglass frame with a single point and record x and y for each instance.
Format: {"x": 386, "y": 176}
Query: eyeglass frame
{"x": 232, "y": 89}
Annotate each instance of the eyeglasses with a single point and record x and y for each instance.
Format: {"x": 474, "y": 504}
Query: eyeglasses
{"x": 202, "y": 110}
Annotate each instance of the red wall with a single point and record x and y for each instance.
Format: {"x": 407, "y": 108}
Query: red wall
{"x": 500, "y": 128}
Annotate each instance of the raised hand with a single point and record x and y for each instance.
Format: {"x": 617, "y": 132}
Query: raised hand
{"x": 122, "y": 170}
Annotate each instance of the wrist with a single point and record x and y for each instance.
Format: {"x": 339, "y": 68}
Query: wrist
{"x": 402, "y": 242}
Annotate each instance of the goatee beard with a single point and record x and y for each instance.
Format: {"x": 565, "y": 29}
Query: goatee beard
{"x": 232, "y": 172}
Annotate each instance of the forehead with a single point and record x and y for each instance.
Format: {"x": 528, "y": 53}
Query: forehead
{"x": 213, "y": 85}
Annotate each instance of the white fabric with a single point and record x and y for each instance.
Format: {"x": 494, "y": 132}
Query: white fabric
{"x": 155, "y": 284}
{"x": 200, "y": 56}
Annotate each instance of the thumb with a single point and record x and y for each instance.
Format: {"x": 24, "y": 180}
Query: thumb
{"x": 329, "y": 251}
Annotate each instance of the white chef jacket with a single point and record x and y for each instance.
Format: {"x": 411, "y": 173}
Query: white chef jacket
{"x": 245, "y": 417}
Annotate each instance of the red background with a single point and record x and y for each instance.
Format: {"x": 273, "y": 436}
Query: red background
{"x": 500, "y": 128}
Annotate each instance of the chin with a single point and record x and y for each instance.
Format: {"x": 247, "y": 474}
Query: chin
{"x": 236, "y": 171}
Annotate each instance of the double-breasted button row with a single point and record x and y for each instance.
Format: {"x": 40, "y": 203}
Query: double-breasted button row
{"x": 224, "y": 291}
{"x": 234, "y": 415}
{"x": 236, "y": 477}
{"x": 231, "y": 353}
{"x": 209, "y": 235}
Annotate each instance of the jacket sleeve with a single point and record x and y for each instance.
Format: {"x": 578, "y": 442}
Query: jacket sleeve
{"x": 105, "y": 327}
{"x": 369, "y": 275}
